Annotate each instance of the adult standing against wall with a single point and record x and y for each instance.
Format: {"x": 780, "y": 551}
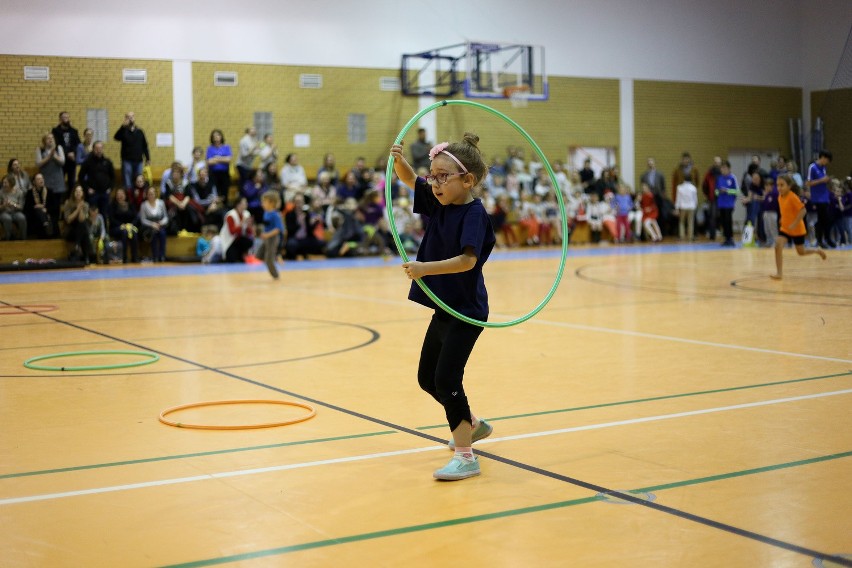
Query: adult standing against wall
{"x": 249, "y": 151}
{"x": 420, "y": 151}
{"x": 97, "y": 176}
{"x": 134, "y": 148}
{"x": 219, "y": 156}
{"x": 817, "y": 182}
{"x": 68, "y": 139}
{"x": 50, "y": 161}
{"x": 708, "y": 187}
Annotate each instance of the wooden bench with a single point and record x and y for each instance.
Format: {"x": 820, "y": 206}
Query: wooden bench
{"x": 58, "y": 249}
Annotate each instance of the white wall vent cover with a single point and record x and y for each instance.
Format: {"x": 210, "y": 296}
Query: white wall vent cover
{"x": 310, "y": 81}
{"x": 389, "y": 84}
{"x": 225, "y": 78}
{"x": 36, "y": 73}
{"x": 136, "y": 76}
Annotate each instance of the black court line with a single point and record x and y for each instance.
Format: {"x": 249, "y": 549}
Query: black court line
{"x": 697, "y": 294}
{"x": 514, "y": 463}
{"x": 738, "y": 284}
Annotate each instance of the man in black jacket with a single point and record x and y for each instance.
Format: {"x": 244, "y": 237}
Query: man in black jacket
{"x": 97, "y": 176}
{"x": 134, "y": 149}
{"x": 67, "y": 137}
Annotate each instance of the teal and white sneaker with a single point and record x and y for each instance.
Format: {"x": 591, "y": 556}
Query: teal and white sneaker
{"x": 458, "y": 468}
{"x": 482, "y": 431}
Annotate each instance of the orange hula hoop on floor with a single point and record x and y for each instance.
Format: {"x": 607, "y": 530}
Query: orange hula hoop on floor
{"x": 312, "y": 412}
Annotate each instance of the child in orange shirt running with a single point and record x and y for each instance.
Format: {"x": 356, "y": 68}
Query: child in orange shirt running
{"x": 792, "y": 223}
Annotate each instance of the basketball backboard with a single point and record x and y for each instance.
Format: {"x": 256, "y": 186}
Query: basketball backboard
{"x": 481, "y": 70}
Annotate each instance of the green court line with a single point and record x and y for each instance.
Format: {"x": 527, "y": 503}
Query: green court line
{"x": 194, "y": 455}
{"x": 384, "y": 432}
{"x": 488, "y": 516}
{"x": 650, "y": 399}
{"x": 741, "y": 473}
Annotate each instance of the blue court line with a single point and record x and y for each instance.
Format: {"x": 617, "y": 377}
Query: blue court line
{"x": 198, "y": 269}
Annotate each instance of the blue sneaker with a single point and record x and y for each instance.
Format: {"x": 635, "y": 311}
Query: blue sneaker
{"x": 458, "y": 468}
{"x": 482, "y": 431}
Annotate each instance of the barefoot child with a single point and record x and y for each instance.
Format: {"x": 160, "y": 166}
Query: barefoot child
{"x": 792, "y": 223}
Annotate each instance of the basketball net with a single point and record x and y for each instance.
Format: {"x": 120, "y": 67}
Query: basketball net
{"x": 518, "y": 95}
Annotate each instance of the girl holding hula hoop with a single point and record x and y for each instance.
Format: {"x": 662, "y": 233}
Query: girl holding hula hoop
{"x": 458, "y": 240}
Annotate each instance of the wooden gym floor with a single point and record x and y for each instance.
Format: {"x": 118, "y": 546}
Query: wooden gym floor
{"x": 671, "y": 406}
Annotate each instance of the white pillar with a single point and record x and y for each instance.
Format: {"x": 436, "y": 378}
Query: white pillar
{"x": 627, "y": 144}
{"x": 184, "y": 131}
{"x": 428, "y": 121}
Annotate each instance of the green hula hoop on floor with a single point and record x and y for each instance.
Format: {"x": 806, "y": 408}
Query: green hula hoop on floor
{"x": 559, "y": 199}
{"x": 151, "y": 358}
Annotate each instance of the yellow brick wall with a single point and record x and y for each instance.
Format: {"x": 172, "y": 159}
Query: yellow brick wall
{"x": 30, "y": 108}
{"x": 579, "y": 112}
{"x": 322, "y": 113}
{"x": 708, "y": 120}
{"x": 835, "y": 109}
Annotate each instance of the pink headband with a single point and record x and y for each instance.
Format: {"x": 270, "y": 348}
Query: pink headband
{"x": 442, "y": 149}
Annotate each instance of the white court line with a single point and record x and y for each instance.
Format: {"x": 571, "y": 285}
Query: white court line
{"x": 597, "y": 329}
{"x": 239, "y": 473}
{"x": 684, "y": 340}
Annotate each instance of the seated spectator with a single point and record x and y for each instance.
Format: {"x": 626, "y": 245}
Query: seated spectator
{"x": 121, "y": 225}
{"x": 551, "y": 221}
{"x": 529, "y": 218}
{"x": 97, "y": 234}
{"x": 153, "y": 220}
{"x": 302, "y": 224}
{"x": 350, "y": 187}
{"x": 184, "y": 213}
{"x": 22, "y": 178}
{"x": 209, "y": 245}
{"x": 35, "y": 208}
{"x": 137, "y": 194}
{"x": 406, "y": 225}
{"x": 251, "y": 191}
{"x": 206, "y": 195}
{"x": 293, "y": 176}
{"x": 75, "y": 219}
{"x": 329, "y": 166}
{"x": 346, "y": 230}
{"x": 378, "y": 238}
{"x": 196, "y": 165}
{"x": 503, "y": 218}
{"x": 650, "y": 213}
{"x": 12, "y": 209}
{"x": 237, "y": 233}
{"x": 599, "y": 216}
{"x": 323, "y": 193}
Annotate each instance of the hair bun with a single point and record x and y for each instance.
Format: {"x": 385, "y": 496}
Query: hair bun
{"x": 471, "y": 139}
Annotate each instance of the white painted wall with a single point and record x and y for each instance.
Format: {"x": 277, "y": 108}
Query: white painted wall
{"x": 760, "y": 42}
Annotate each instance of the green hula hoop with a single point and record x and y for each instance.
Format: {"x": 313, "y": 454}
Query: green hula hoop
{"x": 152, "y": 357}
{"x": 559, "y": 199}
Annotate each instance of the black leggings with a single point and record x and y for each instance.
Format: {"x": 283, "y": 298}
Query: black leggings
{"x": 446, "y": 349}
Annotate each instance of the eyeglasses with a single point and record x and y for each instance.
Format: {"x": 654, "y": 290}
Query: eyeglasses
{"x": 442, "y": 178}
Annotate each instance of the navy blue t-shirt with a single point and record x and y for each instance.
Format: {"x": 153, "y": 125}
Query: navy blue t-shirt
{"x": 449, "y": 229}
